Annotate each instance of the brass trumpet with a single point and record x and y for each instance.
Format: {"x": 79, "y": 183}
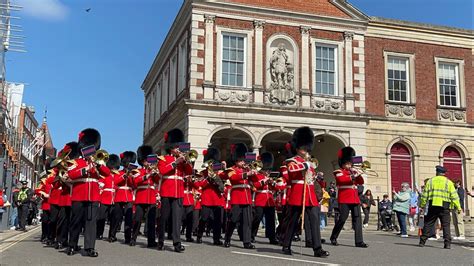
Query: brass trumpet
{"x": 256, "y": 165}
{"x": 310, "y": 159}
{"x": 100, "y": 157}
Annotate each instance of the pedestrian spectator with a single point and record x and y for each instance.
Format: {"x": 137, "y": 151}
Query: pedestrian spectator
{"x": 413, "y": 212}
{"x": 439, "y": 195}
{"x": 458, "y": 221}
{"x": 401, "y": 206}
{"x": 332, "y": 190}
{"x": 324, "y": 209}
{"x": 23, "y": 199}
{"x": 3, "y": 203}
{"x": 367, "y": 201}
{"x": 14, "y": 214}
{"x": 385, "y": 210}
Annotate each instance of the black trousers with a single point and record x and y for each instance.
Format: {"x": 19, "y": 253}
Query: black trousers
{"x": 22, "y": 215}
{"x": 171, "y": 208}
{"x": 187, "y": 220}
{"x": 103, "y": 215}
{"x": 121, "y": 209}
{"x": 45, "y": 224}
{"x": 444, "y": 216}
{"x": 312, "y": 216}
{"x": 240, "y": 214}
{"x": 140, "y": 211}
{"x": 344, "y": 210}
{"x": 83, "y": 214}
{"x": 269, "y": 213}
{"x": 53, "y": 222}
{"x": 211, "y": 215}
{"x": 283, "y": 219}
{"x": 366, "y": 215}
{"x": 64, "y": 221}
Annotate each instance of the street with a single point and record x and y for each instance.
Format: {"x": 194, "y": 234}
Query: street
{"x": 385, "y": 249}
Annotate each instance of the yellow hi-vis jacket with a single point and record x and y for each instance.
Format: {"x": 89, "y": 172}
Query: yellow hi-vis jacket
{"x": 440, "y": 191}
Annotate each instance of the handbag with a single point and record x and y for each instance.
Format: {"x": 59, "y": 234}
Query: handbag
{"x": 412, "y": 211}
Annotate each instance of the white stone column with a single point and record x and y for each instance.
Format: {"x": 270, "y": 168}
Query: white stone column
{"x": 349, "y": 92}
{"x": 305, "y": 71}
{"x": 258, "y": 70}
{"x": 209, "y": 57}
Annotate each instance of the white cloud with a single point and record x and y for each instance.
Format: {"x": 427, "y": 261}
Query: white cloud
{"x": 44, "y": 9}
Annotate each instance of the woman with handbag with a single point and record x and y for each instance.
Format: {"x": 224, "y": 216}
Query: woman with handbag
{"x": 367, "y": 201}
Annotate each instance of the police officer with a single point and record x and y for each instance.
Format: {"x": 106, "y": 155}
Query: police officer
{"x": 438, "y": 195}
{"x": 22, "y": 202}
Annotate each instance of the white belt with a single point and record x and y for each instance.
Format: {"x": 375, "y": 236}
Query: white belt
{"x": 241, "y": 186}
{"x": 264, "y": 191}
{"x": 146, "y": 187}
{"x": 85, "y": 180}
{"x": 172, "y": 177}
{"x": 301, "y": 182}
{"x": 288, "y": 186}
{"x": 348, "y": 187}
{"x": 188, "y": 192}
{"x": 109, "y": 189}
{"x": 125, "y": 187}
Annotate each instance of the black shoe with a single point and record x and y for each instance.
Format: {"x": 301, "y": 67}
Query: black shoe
{"x": 59, "y": 246}
{"x": 91, "y": 253}
{"x": 227, "y": 244}
{"x": 70, "y": 251}
{"x": 190, "y": 239}
{"x": 296, "y": 238}
{"x": 112, "y": 239}
{"x": 309, "y": 244}
{"x": 334, "y": 242}
{"x": 99, "y": 237}
{"x": 287, "y": 251}
{"x": 253, "y": 240}
{"x": 362, "y": 245}
{"x": 321, "y": 253}
{"x": 132, "y": 243}
{"x": 249, "y": 246}
{"x": 217, "y": 243}
{"x": 199, "y": 240}
{"x": 421, "y": 244}
{"x": 447, "y": 245}
{"x": 77, "y": 248}
{"x": 179, "y": 248}
{"x": 51, "y": 243}
{"x": 323, "y": 241}
{"x": 161, "y": 245}
{"x": 152, "y": 245}
{"x": 274, "y": 242}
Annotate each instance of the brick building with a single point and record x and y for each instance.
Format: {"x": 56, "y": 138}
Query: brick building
{"x": 401, "y": 93}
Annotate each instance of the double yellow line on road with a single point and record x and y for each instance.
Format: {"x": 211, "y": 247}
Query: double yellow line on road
{"x": 10, "y": 242}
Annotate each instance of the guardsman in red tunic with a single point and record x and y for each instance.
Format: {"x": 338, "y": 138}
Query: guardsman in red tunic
{"x": 123, "y": 198}
{"x": 173, "y": 168}
{"x": 188, "y": 207}
{"x": 65, "y": 199}
{"x": 212, "y": 196}
{"x": 241, "y": 197}
{"x": 85, "y": 197}
{"x": 107, "y": 194}
{"x": 347, "y": 180}
{"x": 302, "y": 175}
{"x": 43, "y": 191}
{"x": 264, "y": 203}
{"x": 145, "y": 196}
{"x": 53, "y": 206}
{"x": 284, "y": 194}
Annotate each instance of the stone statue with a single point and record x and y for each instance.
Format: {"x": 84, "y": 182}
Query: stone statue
{"x": 282, "y": 74}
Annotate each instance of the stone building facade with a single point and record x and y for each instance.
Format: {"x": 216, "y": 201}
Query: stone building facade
{"x": 400, "y": 93}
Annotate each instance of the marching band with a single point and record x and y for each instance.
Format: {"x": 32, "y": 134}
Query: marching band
{"x": 84, "y": 187}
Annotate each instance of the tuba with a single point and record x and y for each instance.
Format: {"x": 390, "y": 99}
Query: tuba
{"x": 100, "y": 157}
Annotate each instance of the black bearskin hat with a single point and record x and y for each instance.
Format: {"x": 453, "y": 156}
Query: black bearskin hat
{"x": 142, "y": 152}
{"x": 211, "y": 154}
{"x": 173, "y": 138}
{"x": 303, "y": 137}
{"x": 127, "y": 157}
{"x": 345, "y": 155}
{"x": 267, "y": 160}
{"x": 113, "y": 162}
{"x": 74, "y": 148}
{"x": 238, "y": 151}
{"x": 47, "y": 163}
{"x": 89, "y": 137}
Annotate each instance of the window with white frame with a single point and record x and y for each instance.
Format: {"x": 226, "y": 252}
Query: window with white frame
{"x": 398, "y": 84}
{"x": 183, "y": 65}
{"x": 158, "y": 101}
{"x": 164, "y": 92}
{"x": 326, "y": 70}
{"x": 173, "y": 79}
{"x": 448, "y": 82}
{"x": 233, "y": 60}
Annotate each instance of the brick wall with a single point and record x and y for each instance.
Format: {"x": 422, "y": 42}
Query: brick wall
{"x": 425, "y": 75}
{"x": 319, "y": 7}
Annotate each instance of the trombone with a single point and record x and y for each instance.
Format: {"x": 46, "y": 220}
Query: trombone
{"x": 101, "y": 157}
{"x": 365, "y": 168}
{"x": 256, "y": 165}
{"x": 190, "y": 156}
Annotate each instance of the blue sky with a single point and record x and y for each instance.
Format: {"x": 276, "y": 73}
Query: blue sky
{"x": 87, "y": 67}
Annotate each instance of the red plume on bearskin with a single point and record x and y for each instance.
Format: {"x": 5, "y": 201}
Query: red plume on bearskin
{"x": 212, "y": 154}
{"x": 173, "y": 138}
{"x": 345, "y": 155}
{"x": 288, "y": 146}
{"x": 204, "y": 152}
{"x": 127, "y": 157}
{"x": 121, "y": 156}
{"x": 73, "y": 147}
{"x": 166, "y": 136}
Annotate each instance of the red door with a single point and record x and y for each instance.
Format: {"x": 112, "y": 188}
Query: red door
{"x": 400, "y": 166}
{"x": 453, "y": 164}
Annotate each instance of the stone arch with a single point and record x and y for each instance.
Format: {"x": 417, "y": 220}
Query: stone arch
{"x": 325, "y": 150}
{"x": 223, "y": 137}
{"x": 457, "y": 145}
{"x": 335, "y": 135}
{"x": 407, "y": 142}
{"x": 274, "y": 141}
{"x": 270, "y": 131}
{"x": 230, "y": 127}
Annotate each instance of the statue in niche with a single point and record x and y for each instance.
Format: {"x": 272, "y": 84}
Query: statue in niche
{"x": 282, "y": 75}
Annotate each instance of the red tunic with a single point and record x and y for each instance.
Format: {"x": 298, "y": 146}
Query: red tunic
{"x": 226, "y": 205}
{"x": 210, "y": 194}
{"x": 43, "y": 192}
{"x": 346, "y": 187}
{"x": 287, "y": 190}
{"x": 54, "y": 191}
{"x": 124, "y": 187}
{"x": 197, "y": 198}
{"x": 65, "y": 195}
{"x": 240, "y": 193}
{"x": 85, "y": 180}
{"x": 171, "y": 182}
{"x": 145, "y": 192}
{"x": 280, "y": 188}
{"x": 188, "y": 193}
{"x": 297, "y": 172}
{"x": 263, "y": 193}
{"x": 107, "y": 189}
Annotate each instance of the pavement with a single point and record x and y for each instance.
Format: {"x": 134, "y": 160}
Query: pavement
{"x": 385, "y": 249}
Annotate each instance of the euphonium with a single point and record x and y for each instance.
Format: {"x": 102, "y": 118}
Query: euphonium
{"x": 100, "y": 157}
